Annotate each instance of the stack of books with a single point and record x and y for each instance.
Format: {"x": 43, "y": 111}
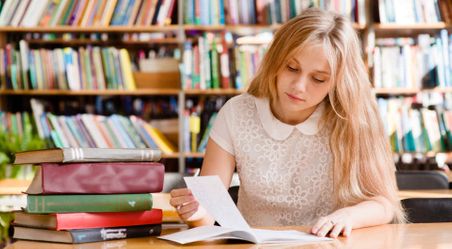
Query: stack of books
{"x": 84, "y": 195}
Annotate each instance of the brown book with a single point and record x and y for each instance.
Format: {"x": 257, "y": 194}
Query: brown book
{"x": 68, "y": 155}
{"x": 98, "y": 178}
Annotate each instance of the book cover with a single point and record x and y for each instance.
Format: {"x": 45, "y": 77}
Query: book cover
{"x": 98, "y": 178}
{"x": 42, "y": 204}
{"x": 68, "y": 221}
{"x": 86, "y": 235}
{"x": 66, "y": 155}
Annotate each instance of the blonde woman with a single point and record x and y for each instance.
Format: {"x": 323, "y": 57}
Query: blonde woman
{"x": 306, "y": 138}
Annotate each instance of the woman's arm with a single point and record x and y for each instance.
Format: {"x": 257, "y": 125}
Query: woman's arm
{"x": 373, "y": 212}
{"x": 216, "y": 162}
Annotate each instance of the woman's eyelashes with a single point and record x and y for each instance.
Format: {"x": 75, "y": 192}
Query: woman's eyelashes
{"x": 318, "y": 80}
{"x": 292, "y": 68}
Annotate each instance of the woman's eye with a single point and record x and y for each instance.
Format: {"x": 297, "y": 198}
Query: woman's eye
{"x": 319, "y": 80}
{"x": 292, "y": 69}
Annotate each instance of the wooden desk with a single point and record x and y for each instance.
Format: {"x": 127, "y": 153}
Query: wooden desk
{"x": 428, "y": 193}
{"x": 407, "y": 236}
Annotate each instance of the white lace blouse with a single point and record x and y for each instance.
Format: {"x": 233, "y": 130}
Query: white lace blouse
{"x": 285, "y": 171}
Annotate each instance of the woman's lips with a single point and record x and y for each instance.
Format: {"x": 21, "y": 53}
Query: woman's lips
{"x": 294, "y": 97}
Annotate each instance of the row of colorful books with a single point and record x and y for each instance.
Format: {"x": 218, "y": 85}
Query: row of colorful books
{"x": 33, "y": 13}
{"x": 115, "y": 131}
{"x": 199, "y": 117}
{"x": 212, "y": 63}
{"x": 65, "y": 68}
{"x": 84, "y": 195}
{"x": 219, "y": 12}
{"x": 413, "y": 11}
{"x": 424, "y": 61}
{"x": 413, "y": 127}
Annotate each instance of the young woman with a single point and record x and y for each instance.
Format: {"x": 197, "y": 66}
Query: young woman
{"x": 306, "y": 139}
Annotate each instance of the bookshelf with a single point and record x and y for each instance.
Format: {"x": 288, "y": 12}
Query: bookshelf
{"x": 420, "y": 92}
{"x": 176, "y": 34}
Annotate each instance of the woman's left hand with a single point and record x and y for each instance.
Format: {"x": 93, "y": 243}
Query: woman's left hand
{"x": 338, "y": 222}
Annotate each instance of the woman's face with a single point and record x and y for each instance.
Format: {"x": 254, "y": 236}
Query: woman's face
{"x": 302, "y": 84}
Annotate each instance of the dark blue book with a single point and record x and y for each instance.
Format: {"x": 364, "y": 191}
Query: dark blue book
{"x": 77, "y": 236}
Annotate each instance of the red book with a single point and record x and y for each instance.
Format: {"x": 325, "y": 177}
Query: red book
{"x": 66, "y": 221}
{"x": 98, "y": 178}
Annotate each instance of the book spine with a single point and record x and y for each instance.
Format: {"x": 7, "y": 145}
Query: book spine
{"x": 102, "y": 178}
{"x": 102, "y": 234}
{"x": 98, "y": 220}
{"x": 88, "y": 203}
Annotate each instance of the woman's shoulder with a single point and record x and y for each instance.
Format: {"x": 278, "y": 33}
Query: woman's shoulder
{"x": 239, "y": 101}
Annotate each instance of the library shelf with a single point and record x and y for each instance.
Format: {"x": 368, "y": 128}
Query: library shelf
{"x": 91, "y": 92}
{"x": 193, "y": 155}
{"x": 13, "y": 186}
{"x": 246, "y": 28}
{"x": 402, "y": 30}
{"x": 171, "y": 156}
{"x": 90, "y": 29}
{"x": 77, "y": 42}
{"x": 230, "y": 91}
{"x": 410, "y": 91}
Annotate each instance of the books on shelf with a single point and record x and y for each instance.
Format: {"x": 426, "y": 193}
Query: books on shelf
{"x": 417, "y": 127}
{"x": 34, "y": 13}
{"x": 411, "y": 11}
{"x": 88, "y": 130}
{"x": 413, "y": 63}
{"x": 212, "y": 63}
{"x": 66, "y": 68}
{"x": 246, "y": 12}
{"x": 75, "y": 236}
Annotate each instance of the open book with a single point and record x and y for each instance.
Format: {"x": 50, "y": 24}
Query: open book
{"x": 212, "y": 195}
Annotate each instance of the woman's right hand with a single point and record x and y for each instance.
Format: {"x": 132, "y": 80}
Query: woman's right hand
{"x": 186, "y": 204}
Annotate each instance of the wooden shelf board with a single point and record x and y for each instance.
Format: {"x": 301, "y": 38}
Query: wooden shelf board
{"x": 91, "y": 92}
{"x": 410, "y": 91}
{"x": 91, "y": 29}
{"x": 213, "y": 92}
{"x": 172, "y": 155}
{"x": 167, "y": 41}
{"x": 13, "y": 186}
{"x": 414, "y": 26}
{"x": 193, "y": 155}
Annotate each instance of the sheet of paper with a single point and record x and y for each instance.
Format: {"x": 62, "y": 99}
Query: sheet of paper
{"x": 197, "y": 234}
{"x": 212, "y": 195}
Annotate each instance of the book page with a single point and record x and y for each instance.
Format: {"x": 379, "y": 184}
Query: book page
{"x": 212, "y": 195}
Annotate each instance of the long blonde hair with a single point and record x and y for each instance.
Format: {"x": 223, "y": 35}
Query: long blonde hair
{"x": 363, "y": 164}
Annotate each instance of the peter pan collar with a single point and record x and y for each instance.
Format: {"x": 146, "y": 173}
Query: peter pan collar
{"x": 279, "y": 130}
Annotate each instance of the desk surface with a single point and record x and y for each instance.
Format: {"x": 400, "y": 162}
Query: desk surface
{"x": 429, "y": 235}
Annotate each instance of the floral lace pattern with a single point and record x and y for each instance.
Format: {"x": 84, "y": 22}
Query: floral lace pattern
{"x": 287, "y": 182}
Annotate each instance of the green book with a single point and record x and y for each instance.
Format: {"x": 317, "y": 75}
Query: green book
{"x": 88, "y": 203}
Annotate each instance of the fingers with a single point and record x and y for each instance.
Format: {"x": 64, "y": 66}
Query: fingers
{"x": 180, "y": 192}
{"x": 337, "y": 229}
{"x": 180, "y": 196}
{"x": 347, "y": 231}
{"x": 185, "y": 203}
{"x": 325, "y": 226}
{"x": 318, "y": 225}
{"x": 187, "y": 210}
